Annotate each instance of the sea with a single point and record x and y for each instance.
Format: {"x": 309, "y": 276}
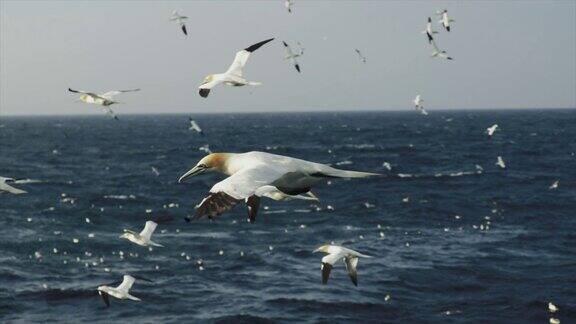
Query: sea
{"x": 454, "y": 238}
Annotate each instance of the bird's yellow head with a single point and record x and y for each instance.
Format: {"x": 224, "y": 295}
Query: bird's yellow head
{"x": 323, "y": 248}
{"x": 211, "y": 162}
{"x": 208, "y": 78}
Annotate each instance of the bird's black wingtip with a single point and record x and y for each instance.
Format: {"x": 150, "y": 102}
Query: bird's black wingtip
{"x": 256, "y": 46}
{"x": 297, "y": 68}
{"x": 204, "y": 93}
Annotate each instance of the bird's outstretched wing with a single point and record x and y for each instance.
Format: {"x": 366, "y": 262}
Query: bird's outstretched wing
{"x": 127, "y": 283}
{"x": 351, "y": 263}
{"x": 84, "y": 92}
{"x": 327, "y": 264}
{"x": 4, "y": 186}
{"x": 148, "y": 229}
{"x": 288, "y": 50}
{"x": 242, "y": 57}
{"x": 214, "y": 205}
{"x": 77, "y": 91}
{"x": 104, "y": 298}
{"x": 110, "y": 94}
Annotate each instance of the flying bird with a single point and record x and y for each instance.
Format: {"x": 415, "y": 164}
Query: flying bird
{"x": 233, "y": 76}
{"x": 552, "y": 308}
{"x": 144, "y": 238}
{"x": 445, "y": 20}
{"x": 500, "y": 162}
{"x": 120, "y": 292}
{"x": 418, "y": 105}
{"x": 336, "y": 253}
{"x": 439, "y": 53}
{"x": 292, "y": 56}
{"x": 428, "y": 31}
{"x": 362, "y": 57}
{"x": 5, "y": 187}
{"x": 180, "y": 19}
{"x": 288, "y": 4}
{"x": 492, "y": 129}
{"x": 195, "y": 127}
{"x": 105, "y": 100}
{"x": 554, "y": 185}
{"x": 249, "y": 172}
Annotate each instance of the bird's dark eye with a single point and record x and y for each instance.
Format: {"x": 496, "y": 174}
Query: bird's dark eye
{"x": 203, "y": 166}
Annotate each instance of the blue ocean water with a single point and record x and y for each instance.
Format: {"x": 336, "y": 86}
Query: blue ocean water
{"x": 451, "y": 242}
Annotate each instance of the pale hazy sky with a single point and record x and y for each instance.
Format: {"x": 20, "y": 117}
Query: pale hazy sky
{"x": 508, "y": 54}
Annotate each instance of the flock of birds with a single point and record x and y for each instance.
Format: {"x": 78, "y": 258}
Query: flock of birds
{"x": 251, "y": 175}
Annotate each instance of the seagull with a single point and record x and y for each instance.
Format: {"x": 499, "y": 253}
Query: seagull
{"x": 428, "y": 31}
{"x": 194, "y": 126}
{"x": 445, "y": 21}
{"x": 105, "y": 100}
{"x": 288, "y": 4}
{"x": 120, "y": 292}
{"x": 501, "y": 163}
{"x": 438, "y": 53}
{"x": 362, "y": 57}
{"x": 552, "y": 308}
{"x": 418, "y": 105}
{"x": 144, "y": 238}
{"x": 291, "y": 56}
{"x": 490, "y": 130}
{"x": 249, "y": 172}
{"x": 5, "y": 187}
{"x": 554, "y": 185}
{"x": 335, "y": 253}
{"x": 233, "y": 76}
{"x": 180, "y": 20}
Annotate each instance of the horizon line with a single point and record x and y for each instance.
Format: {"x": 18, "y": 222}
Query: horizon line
{"x": 281, "y": 112}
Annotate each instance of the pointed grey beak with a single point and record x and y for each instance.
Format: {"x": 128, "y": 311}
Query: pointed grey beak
{"x": 317, "y": 250}
{"x": 194, "y": 171}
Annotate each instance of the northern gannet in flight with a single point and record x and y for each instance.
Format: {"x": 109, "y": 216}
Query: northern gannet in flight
{"x": 251, "y": 174}
{"x": 362, "y": 57}
{"x": 233, "y": 76}
{"x": 552, "y": 308}
{"x": 500, "y": 162}
{"x": 336, "y": 253}
{"x": 439, "y": 53}
{"x": 120, "y": 292}
{"x": 291, "y": 56}
{"x": 428, "y": 31}
{"x": 445, "y": 20}
{"x": 490, "y": 130}
{"x": 180, "y": 19}
{"x": 288, "y": 4}
{"x": 194, "y": 126}
{"x": 418, "y": 105}
{"x": 554, "y": 185}
{"x": 144, "y": 238}
{"x": 5, "y": 187}
{"x": 105, "y": 100}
